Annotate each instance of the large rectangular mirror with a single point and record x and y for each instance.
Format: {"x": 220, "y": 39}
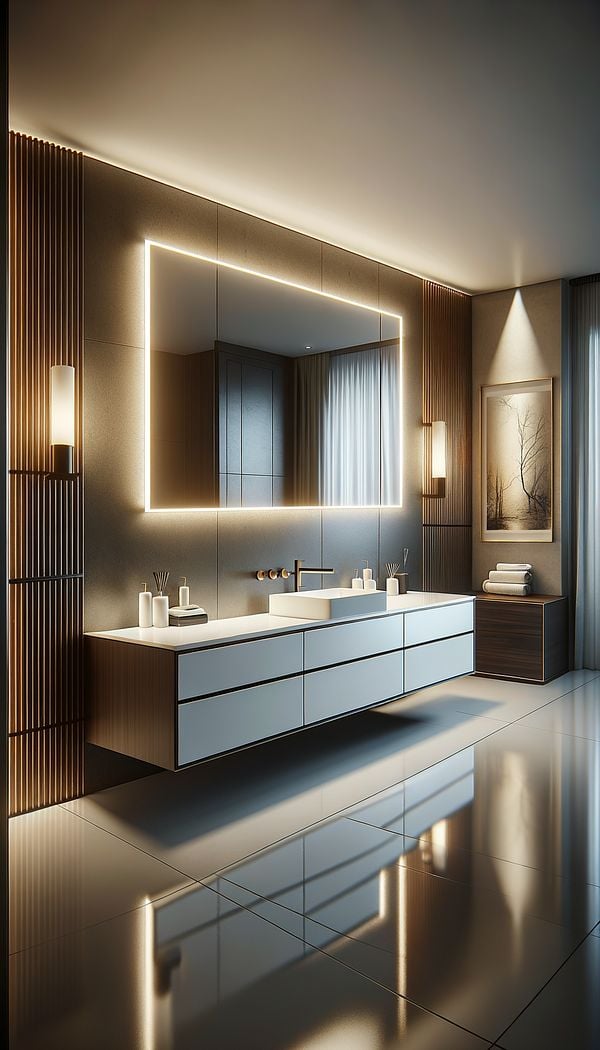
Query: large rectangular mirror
{"x": 260, "y": 393}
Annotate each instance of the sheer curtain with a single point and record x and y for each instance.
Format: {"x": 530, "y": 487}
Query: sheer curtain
{"x": 362, "y": 428}
{"x": 585, "y": 351}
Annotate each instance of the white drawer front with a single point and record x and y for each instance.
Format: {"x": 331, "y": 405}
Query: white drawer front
{"x": 352, "y": 686}
{"x": 352, "y": 641}
{"x": 231, "y": 666}
{"x": 207, "y": 727}
{"x": 427, "y": 664}
{"x": 425, "y": 625}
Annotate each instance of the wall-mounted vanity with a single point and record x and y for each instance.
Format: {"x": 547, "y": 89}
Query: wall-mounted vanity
{"x": 178, "y": 695}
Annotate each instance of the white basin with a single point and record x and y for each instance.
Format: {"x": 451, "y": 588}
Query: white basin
{"x": 329, "y": 604}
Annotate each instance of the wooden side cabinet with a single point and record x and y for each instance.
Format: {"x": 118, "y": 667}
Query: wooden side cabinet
{"x": 525, "y": 639}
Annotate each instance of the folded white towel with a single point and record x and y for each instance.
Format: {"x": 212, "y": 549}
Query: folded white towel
{"x": 519, "y": 589}
{"x": 510, "y": 577}
{"x": 514, "y": 566}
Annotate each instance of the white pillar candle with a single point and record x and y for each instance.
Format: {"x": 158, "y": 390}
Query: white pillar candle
{"x": 357, "y": 584}
{"x": 370, "y": 585}
{"x": 160, "y": 611}
{"x": 145, "y": 607}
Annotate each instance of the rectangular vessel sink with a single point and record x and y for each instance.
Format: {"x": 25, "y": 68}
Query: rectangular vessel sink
{"x": 331, "y": 603}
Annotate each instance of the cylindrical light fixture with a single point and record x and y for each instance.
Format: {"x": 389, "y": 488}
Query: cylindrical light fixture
{"x": 62, "y": 418}
{"x": 438, "y": 449}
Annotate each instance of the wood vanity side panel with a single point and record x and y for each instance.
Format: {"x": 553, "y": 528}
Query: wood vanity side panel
{"x": 130, "y": 691}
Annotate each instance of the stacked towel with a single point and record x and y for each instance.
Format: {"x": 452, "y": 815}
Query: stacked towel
{"x": 502, "y": 576}
{"x": 509, "y": 578}
{"x": 514, "y": 566}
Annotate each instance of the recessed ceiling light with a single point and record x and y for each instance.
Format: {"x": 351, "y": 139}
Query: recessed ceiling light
{"x": 308, "y": 347}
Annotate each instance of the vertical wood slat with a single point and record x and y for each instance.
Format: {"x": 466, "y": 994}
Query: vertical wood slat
{"x": 45, "y": 515}
{"x": 447, "y": 395}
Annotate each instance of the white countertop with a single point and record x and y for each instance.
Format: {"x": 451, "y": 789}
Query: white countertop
{"x": 243, "y": 628}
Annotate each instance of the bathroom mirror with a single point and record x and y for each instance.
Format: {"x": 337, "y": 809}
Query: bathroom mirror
{"x": 260, "y": 393}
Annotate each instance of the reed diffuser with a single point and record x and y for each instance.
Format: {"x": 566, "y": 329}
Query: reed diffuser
{"x": 391, "y": 584}
{"x": 160, "y": 602}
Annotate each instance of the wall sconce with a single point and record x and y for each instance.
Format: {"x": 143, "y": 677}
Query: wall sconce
{"x": 62, "y": 419}
{"x": 436, "y": 483}
{"x": 438, "y": 449}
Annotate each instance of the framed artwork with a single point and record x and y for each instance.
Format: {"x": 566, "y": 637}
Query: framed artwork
{"x": 516, "y": 461}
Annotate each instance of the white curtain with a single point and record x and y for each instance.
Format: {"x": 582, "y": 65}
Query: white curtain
{"x": 361, "y": 431}
{"x": 585, "y": 349}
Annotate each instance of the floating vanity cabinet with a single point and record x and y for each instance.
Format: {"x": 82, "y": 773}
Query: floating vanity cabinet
{"x": 232, "y": 666}
{"x": 180, "y": 695}
{"x": 439, "y": 645}
{"x": 352, "y": 686}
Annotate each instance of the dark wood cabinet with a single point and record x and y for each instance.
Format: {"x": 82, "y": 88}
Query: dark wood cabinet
{"x": 525, "y": 639}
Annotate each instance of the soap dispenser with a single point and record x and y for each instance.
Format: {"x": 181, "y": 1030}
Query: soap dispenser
{"x": 184, "y": 594}
{"x": 145, "y": 607}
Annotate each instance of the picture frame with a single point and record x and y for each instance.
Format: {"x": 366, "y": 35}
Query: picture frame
{"x": 517, "y": 463}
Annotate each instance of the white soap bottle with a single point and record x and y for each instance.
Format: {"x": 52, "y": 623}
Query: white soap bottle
{"x": 145, "y": 607}
{"x": 184, "y": 594}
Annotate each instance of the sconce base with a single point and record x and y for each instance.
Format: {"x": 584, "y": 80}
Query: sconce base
{"x": 437, "y": 489}
{"x": 62, "y": 461}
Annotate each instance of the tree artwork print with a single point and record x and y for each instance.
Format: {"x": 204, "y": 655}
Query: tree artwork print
{"x": 516, "y": 481}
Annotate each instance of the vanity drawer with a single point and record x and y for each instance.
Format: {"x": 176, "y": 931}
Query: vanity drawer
{"x": 231, "y": 666}
{"x": 230, "y": 720}
{"x": 352, "y": 641}
{"x": 353, "y": 685}
{"x": 425, "y": 625}
{"x": 427, "y": 664}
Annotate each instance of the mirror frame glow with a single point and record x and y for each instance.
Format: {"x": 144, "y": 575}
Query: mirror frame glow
{"x": 148, "y": 245}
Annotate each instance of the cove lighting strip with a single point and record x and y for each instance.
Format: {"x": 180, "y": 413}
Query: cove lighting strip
{"x": 148, "y": 245}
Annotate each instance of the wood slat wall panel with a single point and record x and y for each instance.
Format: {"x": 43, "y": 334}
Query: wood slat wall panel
{"x": 447, "y": 395}
{"x": 45, "y": 515}
{"x": 46, "y": 645}
{"x": 447, "y": 558}
{"x": 45, "y": 767}
{"x": 45, "y": 527}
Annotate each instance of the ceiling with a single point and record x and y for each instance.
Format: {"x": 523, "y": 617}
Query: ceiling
{"x": 459, "y": 140}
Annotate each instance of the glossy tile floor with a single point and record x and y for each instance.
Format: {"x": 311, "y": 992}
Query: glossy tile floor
{"x": 426, "y": 875}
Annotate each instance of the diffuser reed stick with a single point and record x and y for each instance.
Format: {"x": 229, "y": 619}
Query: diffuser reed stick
{"x": 162, "y": 579}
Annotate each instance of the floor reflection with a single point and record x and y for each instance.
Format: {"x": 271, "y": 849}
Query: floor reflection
{"x": 456, "y": 907}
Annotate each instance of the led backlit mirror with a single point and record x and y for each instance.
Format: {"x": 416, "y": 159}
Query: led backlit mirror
{"x": 263, "y": 394}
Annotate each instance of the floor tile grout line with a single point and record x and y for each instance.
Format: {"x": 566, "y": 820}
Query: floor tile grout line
{"x": 544, "y": 986}
{"x": 478, "y": 853}
{"x": 150, "y": 902}
{"x": 133, "y": 845}
{"x": 346, "y": 966}
{"x": 489, "y": 891}
{"x": 488, "y": 856}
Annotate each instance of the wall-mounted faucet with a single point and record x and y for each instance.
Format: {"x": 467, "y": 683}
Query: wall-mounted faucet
{"x": 297, "y": 572}
{"x": 300, "y": 570}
